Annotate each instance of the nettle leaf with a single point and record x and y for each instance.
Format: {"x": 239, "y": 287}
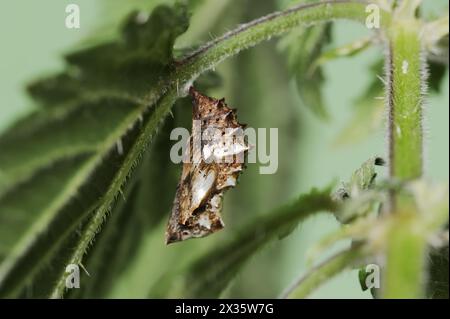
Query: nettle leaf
{"x": 112, "y": 15}
{"x": 302, "y": 47}
{"x": 347, "y": 50}
{"x": 145, "y": 203}
{"x": 124, "y": 68}
{"x": 436, "y": 72}
{"x": 432, "y": 203}
{"x": 354, "y": 195}
{"x": 28, "y": 148}
{"x": 437, "y": 283}
{"x": 361, "y": 180}
{"x": 62, "y": 168}
{"x": 210, "y": 274}
{"x": 114, "y": 248}
{"x": 436, "y": 45}
{"x": 356, "y": 198}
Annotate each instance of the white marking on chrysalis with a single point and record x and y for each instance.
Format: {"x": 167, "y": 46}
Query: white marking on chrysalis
{"x": 215, "y": 201}
{"x": 207, "y": 153}
{"x": 227, "y": 150}
{"x": 204, "y": 221}
{"x": 201, "y": 185}
{"x": 119, "y": 146}
{"x": 231, "y": 181}
{"x": 405, "y": 66}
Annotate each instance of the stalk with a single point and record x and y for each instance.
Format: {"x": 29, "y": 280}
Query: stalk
{"x": 406, "y": 246}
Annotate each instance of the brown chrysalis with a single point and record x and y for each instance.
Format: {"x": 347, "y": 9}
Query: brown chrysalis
{"x": 212, "y": 163}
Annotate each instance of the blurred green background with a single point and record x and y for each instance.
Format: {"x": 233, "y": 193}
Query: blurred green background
{"x": 33, "y": 38}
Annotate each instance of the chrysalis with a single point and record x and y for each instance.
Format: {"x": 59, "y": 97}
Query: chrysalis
{"x": 214, "y": 160}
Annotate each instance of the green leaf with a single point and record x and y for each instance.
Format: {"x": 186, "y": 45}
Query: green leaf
{"x": 436, "y": 44}
{"x": 127, "y": 67}
{"x": 353, "y": 194}
{"x": 113, "y": 12}
{"x": 362, "y": 276}
{"x": 302, "y": 48}
{"x": 146, "y": 202}
{"x": 74, "y": 161}
{"x": 114, "y": 248}
{"x": 200, "y": 280}
{"x": 436, "y": 72}
{"x": 363, "y": 178}
{"x": 347, "y": 50}
{"x": 432, "y": 201}
{"x": 437, "y": 282}
{"x": 436, "y": 40}
{"x": 44, "y": 140}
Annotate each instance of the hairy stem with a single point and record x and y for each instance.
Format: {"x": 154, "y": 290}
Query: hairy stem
{"x": 405, "y": 251}
{"x": 256, "y": 31}
{"x": 162, "y": 109}
{"x": 405, "y": 74}
{"x": 405, "y": 258}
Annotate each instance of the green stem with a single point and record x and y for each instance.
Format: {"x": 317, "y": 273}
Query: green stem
{"x": 323, "y": 272}
{"x": 405, "y": 258}
{"x": 252, "y": 33}
{"x": 405, "y": 251}
{"x": 405, "y": 74}
{"x": 96, "y": 221}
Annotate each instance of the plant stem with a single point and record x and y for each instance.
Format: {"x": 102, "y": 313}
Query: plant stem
{"x": 406, "y": 248}
{"x": 405, "y": 257}
{"x": 252, "y": 33}
{"x": 405, "y": 92}
{"x": 206, "y": 281}
{"x": 323, "y": 272}
{"x": 96, "y": 221}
